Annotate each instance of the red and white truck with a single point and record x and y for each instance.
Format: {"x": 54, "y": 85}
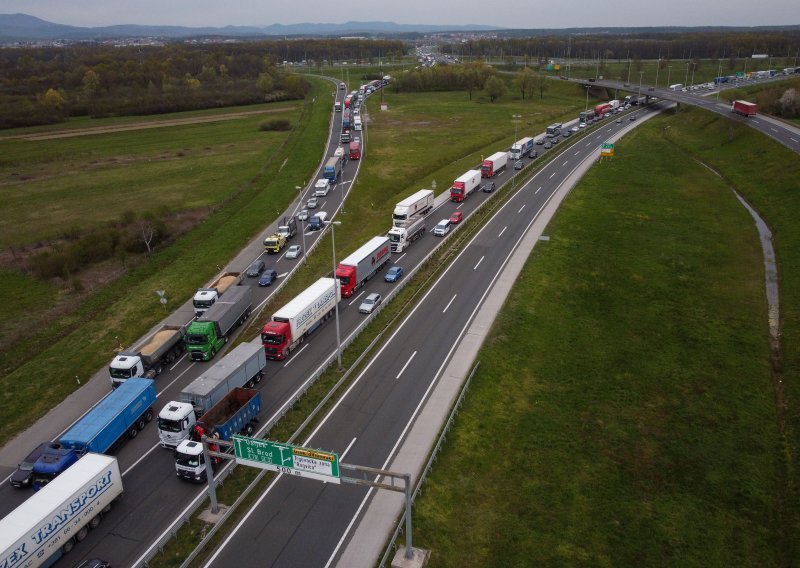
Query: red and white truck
{"x": 412, "y": 207}
{"x": 494, "y": 164}
{"x": 602, "y": 109}
{"x": 465, "y": 185}
{"x": 363, "y": 264}
{"x": 744, "y": 108}
{"x": 291, "y": 324}
{"x": 355, "y": 149}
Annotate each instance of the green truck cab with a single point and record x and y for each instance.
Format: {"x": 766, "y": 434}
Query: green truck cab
{"x": 203, "y": 340}
{"x": 208, "y": 334}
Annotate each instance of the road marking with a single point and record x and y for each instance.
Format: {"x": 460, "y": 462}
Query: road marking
{"x": 479, "y": 262}
{"x": 282, "y": 275}
{"x": 503, "y": 231}
{"x": 538, "y": 190}
{"x": 192, "y": 364}
{"x": 459, "y": 205}
{"x": 793, "y": 139}
{"x": 565, "y": 163}
{"x": 409, "y": 361}
{"x": 551, "y": 175}
{"x": 521, "y": 208}
{"x": 576, "y": 153}
{"x": 774, "y": 129}
{"x": 347, "y": 449}
{"x": 147, "y": 453}
{"x": 399, "y": 258}
{"x": 178, "y": 362}
{"x": 356, "y": 298}
{"x": 448, "y": 303}
{"x": 295, "y": 355}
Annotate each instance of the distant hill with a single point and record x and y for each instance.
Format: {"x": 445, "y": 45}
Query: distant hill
{"x": 22, "y": 27}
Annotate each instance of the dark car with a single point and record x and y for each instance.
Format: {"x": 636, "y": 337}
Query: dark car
{"x": 393, "y": 274}
{"x": 22, "y": 476}
{"x": 268, "y": 277}
{"x": 534, "y": 154}
{"x": 255, "y": 269}
{"x": 518, "y": 165}
{"x": 488, "y": 188}
{"x": 651, "y": 88}
{"x": 547, "y": 145}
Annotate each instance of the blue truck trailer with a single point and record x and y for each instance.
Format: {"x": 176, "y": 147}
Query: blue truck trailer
{"x": 120, "y": 415}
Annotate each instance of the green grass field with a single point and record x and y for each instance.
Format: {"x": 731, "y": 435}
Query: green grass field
{"x": 626, "y": 393}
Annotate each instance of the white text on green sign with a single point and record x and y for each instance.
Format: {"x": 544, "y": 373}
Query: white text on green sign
{"x": 285, "y": 458}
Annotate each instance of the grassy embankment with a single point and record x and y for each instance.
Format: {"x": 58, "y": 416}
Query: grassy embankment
{"x": 246, "y": 175}
{"x": 624, "y": 412}
{"x": 424, "y": 136}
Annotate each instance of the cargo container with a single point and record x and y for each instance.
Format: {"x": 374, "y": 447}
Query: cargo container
{"x": 355, "y": 150}
{"x": 333, "y": 168}
{"x": 412, "y": 207}
{"x": 744, "y": 108}
{"x": 291, "y": 324}
{"x": 355, "y": 270}
{"x": 521, "y": 148}
{"x": 467, "y": 183}
{"x": 494, "y": 164}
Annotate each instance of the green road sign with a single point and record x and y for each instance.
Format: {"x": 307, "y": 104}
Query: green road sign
{"x": 608, "y": 145}
{"x": 286, "y": 458}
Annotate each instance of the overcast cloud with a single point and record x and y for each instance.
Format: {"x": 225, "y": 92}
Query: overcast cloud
{"x": 527, "y": 14}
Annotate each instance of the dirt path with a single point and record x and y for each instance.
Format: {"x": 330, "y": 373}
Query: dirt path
{"x": 145, "y": 125}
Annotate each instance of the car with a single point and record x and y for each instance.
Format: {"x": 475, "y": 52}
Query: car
{"x": 574, "y": 129}
{"x": 268, "y": 277}
{"x": 534, "y": 154}
{"x": 456, "y": 217}
{"x": 540, "y": 141}
{"x": 582, "y": 125}
{"x": 547, "y": 145}
{"x": 554, "y": 140}
{"x": 345, "y": 137}
{"x": 488, "y": 187}
{"x": 633, "y": 117}
{"x": 393, "y": 274}
{"x": 653, "y": 88}
{"x": 626, "y": 85}
{"x": 567, "y": 134}
{"x": 370, "y": 303}
{"x": 619, "y": 120}
{"x": 294, "y": 251}
{"x": 22, "y": 475}
{"x": 322, "y": 187}
{"x": 303, "y": 215}
{"x": 339, "y": 151}
{"x": 312, "y": 203}
{"x": 442, "y": 228}
{"x": 355, "y": 111}
{"x": 94, "y": 563}
{"x": 256, "y": 268}
{"x": 591, "y": 79}
{"x": 518, "y": 165}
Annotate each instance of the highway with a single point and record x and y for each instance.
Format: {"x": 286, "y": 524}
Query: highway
{"x": 299, "y": 522}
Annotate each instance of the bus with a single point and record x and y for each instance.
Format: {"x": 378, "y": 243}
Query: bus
{"x": 586, "y": 116}
{"x": 554, "y": 130}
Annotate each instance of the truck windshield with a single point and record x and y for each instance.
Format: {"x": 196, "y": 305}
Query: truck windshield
{"x": 194, "y": 339}
{"x": 187, "y": 460}
{"x": 203, "y": 303}
{"x": 399, "y": 217}
{"x": 343, "y": 280}
{"x": 169, "y": 425}
{"x": 41, "y": 479}
{"x": 271, "y": 338}
{"x": 394, "y": 238}
{"x": 119, "y": 373}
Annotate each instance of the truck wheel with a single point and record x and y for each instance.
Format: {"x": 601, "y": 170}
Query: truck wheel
{"x": 213, "y": 352}
{"x": 95, "y": 522}
{"x": 259, "y": 376}
{"x": 248, "y": 430}
{"x": 133, "y": 432}
{"x": 140, "y": 423}
{"x": 148, "y": 416}
{"x": 81, "y": 534}
{"x": 68, "y": 546}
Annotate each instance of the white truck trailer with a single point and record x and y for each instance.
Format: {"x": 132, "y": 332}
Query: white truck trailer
{"x": 51, "y": 521}
{"x": 363, "y": 264}
{"x": 412, "y": 207}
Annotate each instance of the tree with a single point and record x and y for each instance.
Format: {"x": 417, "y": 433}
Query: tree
{"x": 495, "y": 87}
{"x": 541, "y": 84}
{"x": 91, "y": 83}
{"x": 790, "y": 104}
{"x": 54, "y": 99}
{"x": 265, "y": 83}
{"x": 525, "y": 81}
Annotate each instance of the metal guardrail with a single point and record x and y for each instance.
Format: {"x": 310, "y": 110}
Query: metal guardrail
{"x": 391, "y": 547}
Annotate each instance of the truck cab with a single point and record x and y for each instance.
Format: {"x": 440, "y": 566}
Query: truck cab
{"x": 274, "y": 243}
{"x": 288, "y": 228}
{"x": 189, "y": 461}
{"x": 124, "y": 366}
{"x": 52, "y": 462}
{"x": 203, "y": 299}
{"x": 175, "y": 422}
{"x": 276, "y": 336}
{"x": 203, "y": 340}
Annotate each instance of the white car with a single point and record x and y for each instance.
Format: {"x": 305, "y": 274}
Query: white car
{"x": 370, "y": 303}
{"x": 322, "y": 187}
{"x": 574, "y": 128}
{"x": 339, "y": 152}
{"x": 303, "y": 215}
{"x": 442, "y": 228}
{"x": 582, "y": 125}
{"x": 294, "y": 251}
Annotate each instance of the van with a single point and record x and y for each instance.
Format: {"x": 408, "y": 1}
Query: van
{"x": 317, "y": 222}
{"x": 442, "y": 228}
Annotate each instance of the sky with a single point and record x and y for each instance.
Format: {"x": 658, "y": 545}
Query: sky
{"x": 527, "y": 14}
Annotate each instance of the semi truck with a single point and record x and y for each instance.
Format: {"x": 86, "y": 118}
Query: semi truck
{"x": 236, "y": 413}
{"x": 676, "y": 87}
{"x": 614, "y": 104}
{"x": 554, "y": 130}
{"x": 357, "y": 123}
{"x": 464, "y": 185}
{"x": 209, "y": 333}
{"x": 119, "y": 416}
{"x": 346, "y": 119}
{"x": 50, "y": 523}
{"x": 243, "y": 366}
{"x": 401, "y": 237}
{"x": 162, "y": 348}
{"x": 205, "y": 297}
{"x": 744, "y": 108}
{"x": 355, "y": 150}
{"x": 602, "y": 109}
{"x": 363, "y": 264}
{"x": 290, "y": 325}
{"x": 412, "y": 207}
{"x": 521, "y": 148}
{"x": 333, "y": 168}
{"x": 494, "y": 164}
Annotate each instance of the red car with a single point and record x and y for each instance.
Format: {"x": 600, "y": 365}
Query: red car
{"x": 456, "y": 217}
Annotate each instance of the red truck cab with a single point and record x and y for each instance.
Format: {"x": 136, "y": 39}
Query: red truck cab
{"x": 276, "y": 337}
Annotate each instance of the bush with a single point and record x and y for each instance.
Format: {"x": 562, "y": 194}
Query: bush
{"x": 279, "y": 124}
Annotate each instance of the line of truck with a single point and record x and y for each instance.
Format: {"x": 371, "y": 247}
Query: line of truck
{"x": 465, "y": 185}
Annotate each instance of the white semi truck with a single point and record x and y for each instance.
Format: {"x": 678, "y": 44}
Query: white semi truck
{"x": 402, "y": 237}
{"x": 206, "y": 297}
{"x": 412, "y": 207}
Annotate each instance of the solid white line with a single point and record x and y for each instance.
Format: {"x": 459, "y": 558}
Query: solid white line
{"x": 503, "y": 231}
{"x": 479, "y": 262}
{"x": 295, "y": 355}
{"x": 178, "y": 362}
{"x": 407, "y": 363}
{"x": 399, "y": 258}
{"x": 521, "y": 208}
{"x": 448, "y": 303}
{"x": 147, "y": 453}
{"x": 347, "y": 449}
{"x": 354, "y": 300}
{"x": 551, "y": 175}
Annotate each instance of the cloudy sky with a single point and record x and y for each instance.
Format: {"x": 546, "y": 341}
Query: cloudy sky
{"x": 526, "y": 14}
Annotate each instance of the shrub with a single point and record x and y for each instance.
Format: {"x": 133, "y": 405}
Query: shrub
{"x": 279, "y": 124}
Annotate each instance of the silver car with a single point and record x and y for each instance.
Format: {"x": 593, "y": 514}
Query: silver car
{"x": 370, "y": 303}
{"x": 312, "y": 203}
{"x": 294, "y": 251}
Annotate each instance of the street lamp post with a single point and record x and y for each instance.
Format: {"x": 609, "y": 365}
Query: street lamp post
{"x": 686, "y": 79}
{"x": 669, "y": 70}
{"x": 587, "y": 98}
{"x": 516, "y": 118}
{"x": 640, "y": 83}
{"x": 303, "y": 236}
{"x": 629, "y": 70}
{"x": 694, "y": 66}
{"x": 658, "y": 66}
{"x": 333, "y": 249}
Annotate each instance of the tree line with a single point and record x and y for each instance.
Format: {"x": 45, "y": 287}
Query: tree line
{"x": 46, "y": 85}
